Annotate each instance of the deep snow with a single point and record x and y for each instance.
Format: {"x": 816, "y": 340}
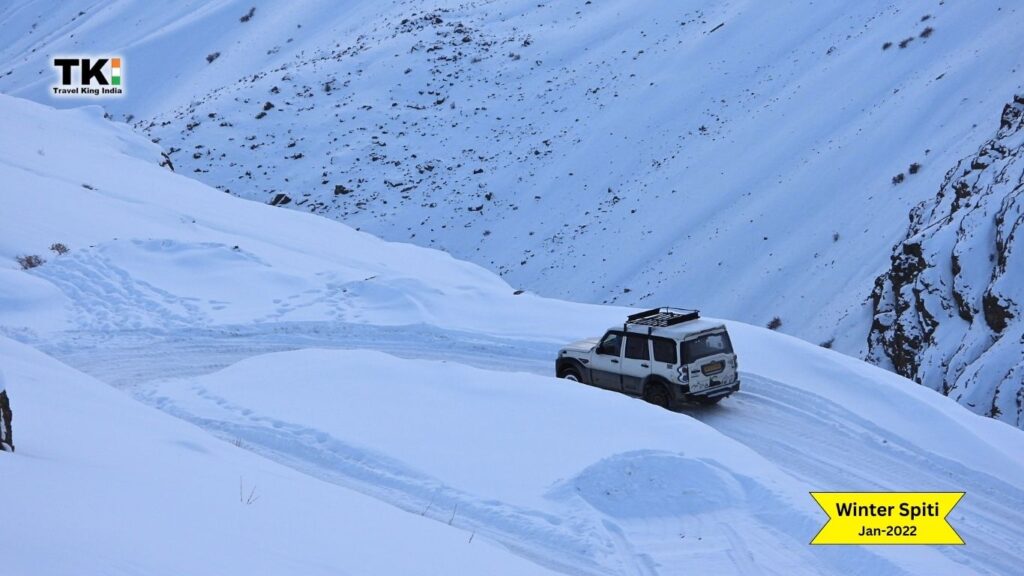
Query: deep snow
{"x": 408, "y": 397}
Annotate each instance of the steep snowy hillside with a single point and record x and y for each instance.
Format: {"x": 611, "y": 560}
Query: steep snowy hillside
{"x": 738, "y": 156}
{"x": 397, "y": 373}
{"x": 149, "y": 249}
{"x": 948, "y": 312}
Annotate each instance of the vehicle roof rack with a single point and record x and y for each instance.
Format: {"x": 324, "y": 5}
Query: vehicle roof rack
{"x": 662, "y": 317}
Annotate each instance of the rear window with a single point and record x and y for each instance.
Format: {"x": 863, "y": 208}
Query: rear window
{"x": 707, "y": 345}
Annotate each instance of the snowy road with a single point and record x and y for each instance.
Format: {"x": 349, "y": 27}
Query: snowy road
{"x": 128, "y": 358}
{"x": 810, "y": 437}
{"x": 831, "y": 448}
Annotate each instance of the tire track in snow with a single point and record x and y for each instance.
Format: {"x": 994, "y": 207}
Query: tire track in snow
{"x": 124, "y": 358}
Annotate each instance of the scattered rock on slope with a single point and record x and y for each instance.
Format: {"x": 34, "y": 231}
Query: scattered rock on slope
{"x": 947, "y": 313}
{"x": 6, "y": 437}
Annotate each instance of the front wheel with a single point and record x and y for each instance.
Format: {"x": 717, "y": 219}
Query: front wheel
{"x": 571, "y": 375}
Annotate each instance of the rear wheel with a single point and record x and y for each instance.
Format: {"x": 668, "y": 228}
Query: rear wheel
{"x": 657, "y": 394}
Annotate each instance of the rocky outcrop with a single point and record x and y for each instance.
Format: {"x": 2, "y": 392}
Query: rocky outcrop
{"x": 947, "y": 313}
{"x": 6, "y": 436}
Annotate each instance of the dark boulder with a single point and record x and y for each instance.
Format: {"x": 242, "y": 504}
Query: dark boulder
{"x": 280, "y": 200}
{"x": 6, "y": 436}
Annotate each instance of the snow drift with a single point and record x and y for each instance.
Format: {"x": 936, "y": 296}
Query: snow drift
{"x": 102, "y": 484}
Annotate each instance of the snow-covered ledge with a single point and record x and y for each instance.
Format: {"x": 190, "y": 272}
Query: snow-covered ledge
{"x": 6, "y": 439}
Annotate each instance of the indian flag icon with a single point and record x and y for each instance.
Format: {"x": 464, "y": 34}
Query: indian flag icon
{"x": 115, "y": 73}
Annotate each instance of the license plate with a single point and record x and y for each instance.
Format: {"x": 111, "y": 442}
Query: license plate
{"x": 712, "y": 368}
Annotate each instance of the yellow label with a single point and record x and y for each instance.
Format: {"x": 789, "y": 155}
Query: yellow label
{"x": 887, "y": 517}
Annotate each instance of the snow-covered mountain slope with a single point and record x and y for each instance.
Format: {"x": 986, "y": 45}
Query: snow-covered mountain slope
{"x": 151, "y": 249}
{"x": 395, "y": 372}
{"x": 738, "y": 156}
{"x": 948, "y": 312}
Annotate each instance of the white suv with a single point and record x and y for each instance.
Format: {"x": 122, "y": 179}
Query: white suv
{"x": 667, "y": 356}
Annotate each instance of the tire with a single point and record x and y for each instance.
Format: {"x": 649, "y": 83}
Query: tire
{"x": 656, "y": 394}
{"x": 571, "y": 375}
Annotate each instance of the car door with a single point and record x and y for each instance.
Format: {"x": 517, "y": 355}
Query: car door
{"x": 606, "y": 362}
{"x": 636, "y": 363}
{"x": 665, "y": 357}
{"x": 705, "y": 359}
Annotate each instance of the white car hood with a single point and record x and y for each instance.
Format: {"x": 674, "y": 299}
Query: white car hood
{"x": 585, "y": 345}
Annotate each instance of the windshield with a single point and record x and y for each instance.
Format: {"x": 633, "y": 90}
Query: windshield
{"x": 707, "y": 345}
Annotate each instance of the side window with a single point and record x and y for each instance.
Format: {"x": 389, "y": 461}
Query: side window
{"x": 664, "y": 350}
{"x": 636, "y": 347}
{"x": 610, "y": 345}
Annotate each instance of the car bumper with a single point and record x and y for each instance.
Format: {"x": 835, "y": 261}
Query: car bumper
{"x": 715, "y": 392}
